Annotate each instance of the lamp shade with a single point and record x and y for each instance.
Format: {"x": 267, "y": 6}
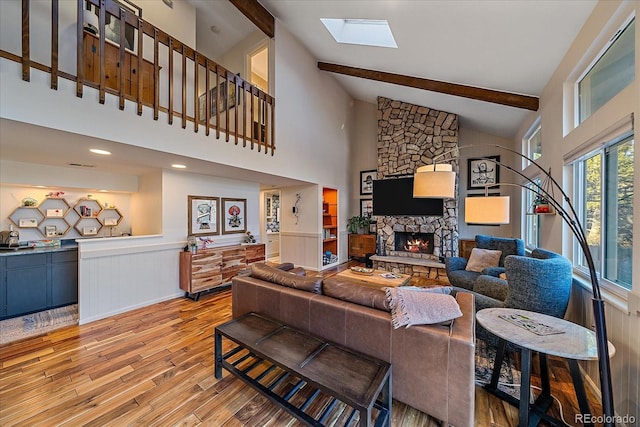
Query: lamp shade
{"x": 487, "y": 210}
{"x": 434, "y": 181}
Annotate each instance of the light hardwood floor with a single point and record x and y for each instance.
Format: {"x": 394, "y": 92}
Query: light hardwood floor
{"x": 154, "y": 366}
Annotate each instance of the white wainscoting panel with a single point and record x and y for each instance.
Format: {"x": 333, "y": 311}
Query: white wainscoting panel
{"x": 302, "y": 249}
{"x": 623, "y": 331}
{"x": 118, "y": 275}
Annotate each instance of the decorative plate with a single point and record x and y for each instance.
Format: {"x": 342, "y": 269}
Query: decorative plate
{"x": 362, "y": 270}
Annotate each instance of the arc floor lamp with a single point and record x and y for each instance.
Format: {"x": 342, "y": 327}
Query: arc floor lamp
{"x": 437, "y": 180}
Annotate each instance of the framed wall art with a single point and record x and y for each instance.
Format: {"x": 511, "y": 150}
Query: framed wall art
{"x": 232, "y": 100}
{"x": 203, "y": 215}
{"x": 366, "y": 182}
{"x": 366, "y": 207}
{"x": 234, "y": 214}
{"x": 482, "y": 172}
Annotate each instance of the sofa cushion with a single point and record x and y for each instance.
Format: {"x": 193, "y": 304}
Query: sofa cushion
{"x": 346, "y": 290}
{"x": 274, "y": 275}
{"x": 483, "y": 258}
{"x": 420, "y": 306}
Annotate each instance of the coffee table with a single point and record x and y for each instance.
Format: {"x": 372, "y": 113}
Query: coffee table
{"x": 375, "y": 280}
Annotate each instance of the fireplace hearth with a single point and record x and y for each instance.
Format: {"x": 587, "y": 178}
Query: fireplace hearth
{"x": 419, "y": 243}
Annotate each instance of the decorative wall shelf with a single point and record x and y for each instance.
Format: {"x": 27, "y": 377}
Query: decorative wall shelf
{"x": 54, "y": 217}
{"x": 26, "y": 217}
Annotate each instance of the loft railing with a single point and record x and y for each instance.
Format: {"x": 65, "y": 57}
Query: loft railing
{"x": 142, "y": 64}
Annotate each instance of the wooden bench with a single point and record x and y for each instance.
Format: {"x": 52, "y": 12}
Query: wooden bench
{"x": 266, "y": 353}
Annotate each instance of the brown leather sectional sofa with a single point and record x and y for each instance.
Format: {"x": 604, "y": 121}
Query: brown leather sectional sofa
{"x": 432, "y": 365}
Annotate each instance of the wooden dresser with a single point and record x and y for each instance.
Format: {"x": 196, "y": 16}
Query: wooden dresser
{"x": 213, "y": 267}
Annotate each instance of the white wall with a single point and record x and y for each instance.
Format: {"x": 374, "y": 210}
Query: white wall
{"x": 480, "y": 142}
{"x": 364, "y": 152}
{"x": 559, "y": 138}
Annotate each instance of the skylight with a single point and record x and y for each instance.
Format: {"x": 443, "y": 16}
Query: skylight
{"x": 368, "y": 32}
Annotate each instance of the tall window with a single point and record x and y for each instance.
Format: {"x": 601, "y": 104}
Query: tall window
{"x": 611, "y": 73}
{"x": 530, "y": 221}
{"x": 532, "y": 143}
{"x": 604, "y": 181}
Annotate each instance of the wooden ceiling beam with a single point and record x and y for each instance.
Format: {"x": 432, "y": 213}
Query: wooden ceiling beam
{"x": 504, "y": 98}
{"x": 257, "y": 14}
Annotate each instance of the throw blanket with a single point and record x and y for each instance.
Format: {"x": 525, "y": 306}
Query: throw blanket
{"x": 421, "y": 306}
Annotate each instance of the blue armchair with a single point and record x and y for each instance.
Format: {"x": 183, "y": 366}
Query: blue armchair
{"x": 455, "y": 266}
{"x": 540, "y": 283}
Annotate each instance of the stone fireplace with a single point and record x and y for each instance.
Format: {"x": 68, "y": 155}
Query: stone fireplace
{"x": 420, "y": 243}
{"x": 409, "y": 136}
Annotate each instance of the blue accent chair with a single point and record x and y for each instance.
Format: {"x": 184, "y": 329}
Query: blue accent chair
{"x": 455, "y": 266}
{"x": 540, "y": 282}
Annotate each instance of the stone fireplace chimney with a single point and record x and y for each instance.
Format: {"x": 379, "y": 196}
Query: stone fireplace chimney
{"x": 408, "y": 137}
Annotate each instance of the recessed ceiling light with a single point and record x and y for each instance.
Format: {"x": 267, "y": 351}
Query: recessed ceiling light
{"x": 367, "y": 32}
{"x": 98, "y": 151}
{"x": 178, "y": 166}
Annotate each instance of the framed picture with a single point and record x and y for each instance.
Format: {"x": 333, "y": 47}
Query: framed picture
{"x": 233, "y": 100}
{"x": 234, "y": 214}
{"x": 366, "y": 182}
{"x": 111, "y": 222}
{"x": 366, "y": 207}
{"x": 203, "y": 215}
{"x": 482, "y": 172}
{"x": 50, "y": 231}
{"x": 482, "y": 195}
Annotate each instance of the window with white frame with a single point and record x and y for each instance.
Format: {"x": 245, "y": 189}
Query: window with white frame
{"x": 532, "y": 143}
{"x": 530, "y": 221}
{"x": 604, "y": 190}
{"x": 612, "y": 71}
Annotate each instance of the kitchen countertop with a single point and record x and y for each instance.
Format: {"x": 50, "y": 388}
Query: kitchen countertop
{"x": 42, "y": 250}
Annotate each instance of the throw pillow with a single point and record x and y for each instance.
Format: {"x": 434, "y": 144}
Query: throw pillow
{"x": 416, "y": 307}
{"x": 483, "y": 258}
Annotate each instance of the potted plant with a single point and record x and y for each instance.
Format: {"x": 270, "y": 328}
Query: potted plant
{"x": 541, "y": 205}
{"x": 358, "y": 224}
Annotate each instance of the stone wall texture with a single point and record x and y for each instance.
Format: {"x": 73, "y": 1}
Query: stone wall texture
{"x": 409, "y": 136}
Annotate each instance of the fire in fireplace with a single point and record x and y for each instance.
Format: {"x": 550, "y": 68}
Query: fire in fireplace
{"x": 414, "y": 242}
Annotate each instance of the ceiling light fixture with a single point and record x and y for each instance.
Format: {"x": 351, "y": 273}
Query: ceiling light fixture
{"x": 367, "y": 32}
{"x": 99, "y": 151}
{"x": 178, "y": 166}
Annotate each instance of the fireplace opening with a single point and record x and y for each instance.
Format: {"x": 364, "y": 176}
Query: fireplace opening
{"x": 421, "y": 243}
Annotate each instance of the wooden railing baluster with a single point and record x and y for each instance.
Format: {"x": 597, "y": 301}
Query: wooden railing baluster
{"x": 273, "y": 124}
{"x": 196, "y": 113}
{"x": 244, "y": 115}
{"x": 156, "y": 74}
{"x": 102, "y": 50}
{"x": 227, "y": 104}
{"x": 55, "y": 15}
{"x": 134, "y": 76}
{"x": 139, "y": 76}
{"x": 79, "y": 50}
{"x": 170, "y": 80}
{"x": 217, "y": 105}
{"x": 184, "y": 87}
{"x": 253, "y": 128}
{"x": 121, "y": 64}
{"x": 207, "y": 98}
{"x": 236, "y": 95}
